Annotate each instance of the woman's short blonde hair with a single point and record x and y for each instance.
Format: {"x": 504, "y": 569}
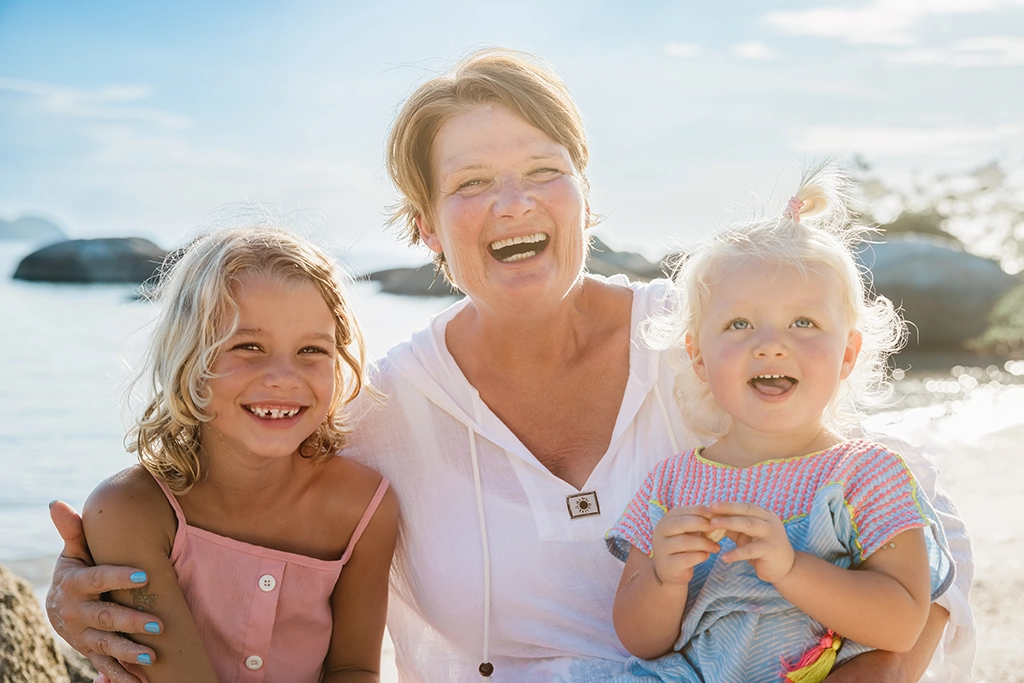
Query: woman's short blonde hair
{"x": 197, "y": 290}
{"x": 516, "y": 80}
{"x": 820, "y": 236}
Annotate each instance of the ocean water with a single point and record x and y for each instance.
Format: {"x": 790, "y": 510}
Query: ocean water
{"x": 65, "y": 352}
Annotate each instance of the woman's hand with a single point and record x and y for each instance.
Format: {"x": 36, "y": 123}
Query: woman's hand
{"x": 74, "y": 605}
{"x": 761, "y": 539}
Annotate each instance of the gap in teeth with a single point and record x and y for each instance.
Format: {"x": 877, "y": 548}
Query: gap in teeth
{"x": 273, "y": 413}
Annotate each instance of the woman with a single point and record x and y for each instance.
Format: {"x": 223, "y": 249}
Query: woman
{"x": 520, "y": 421}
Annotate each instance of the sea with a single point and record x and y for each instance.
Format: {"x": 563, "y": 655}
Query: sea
{"x": 66, "y": 352}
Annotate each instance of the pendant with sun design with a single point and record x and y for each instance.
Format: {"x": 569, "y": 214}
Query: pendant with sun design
{"x": 583, "y": 504}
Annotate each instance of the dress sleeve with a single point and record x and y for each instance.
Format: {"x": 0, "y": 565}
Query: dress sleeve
{"x": 636, "y": 525}
{"x": 882, "y": 496}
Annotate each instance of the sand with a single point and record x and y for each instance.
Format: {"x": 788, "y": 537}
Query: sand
{"x": 985, "y": 482}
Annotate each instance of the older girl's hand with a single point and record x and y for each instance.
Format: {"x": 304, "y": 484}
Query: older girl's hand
{"x": 74, "y": 605}
{"x": 760, "y": 539}
{"x": 680, "y": 544}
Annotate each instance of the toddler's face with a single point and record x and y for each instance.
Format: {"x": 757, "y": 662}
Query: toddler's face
{"x": 274, "y": 378}
{"x": 774, "y": 344}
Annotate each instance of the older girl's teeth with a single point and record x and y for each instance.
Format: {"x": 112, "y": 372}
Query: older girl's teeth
{"x": 273, "y": 413}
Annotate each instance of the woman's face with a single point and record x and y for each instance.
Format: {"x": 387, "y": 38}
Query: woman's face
{"x": 508, "y": 209}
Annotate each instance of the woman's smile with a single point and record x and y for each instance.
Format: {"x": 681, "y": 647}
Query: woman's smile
{"x": 514, "y": 249}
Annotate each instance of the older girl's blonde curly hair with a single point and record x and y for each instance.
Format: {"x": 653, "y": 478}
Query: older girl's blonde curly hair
{"x": 197, "y": 289}
{"x": 819, "y": 234}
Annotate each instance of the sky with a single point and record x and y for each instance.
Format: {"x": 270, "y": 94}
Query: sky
{"x": 163, "y": 119}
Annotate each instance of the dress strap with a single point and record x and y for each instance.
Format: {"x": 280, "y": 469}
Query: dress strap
{"x": 365, "y": 519}
{"x": 172, "y": 500}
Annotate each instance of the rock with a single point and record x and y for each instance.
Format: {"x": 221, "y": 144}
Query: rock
{"x": 422, "y": 281}
{"x": 31, "y": 228}
{"x": 945, "y": 292}
{"x": 116, "y": 259}
{"x": 28, "y": 653}
{"x": 606, "y": 261}
{"x": 80, "y": 669}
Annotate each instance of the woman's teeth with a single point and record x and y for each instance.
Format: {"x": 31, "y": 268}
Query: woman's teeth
{"x": 518, "y": 248}
{"x": 273, "y": 413}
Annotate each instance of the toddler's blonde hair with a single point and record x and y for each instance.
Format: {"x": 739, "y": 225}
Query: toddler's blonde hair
{"x": 821, "y": 235}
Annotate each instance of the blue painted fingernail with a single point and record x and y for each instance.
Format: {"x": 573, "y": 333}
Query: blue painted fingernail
{"x": 144, "y": 659}
{"x": 152, "y": 627}
{"x": 138, "y": 577}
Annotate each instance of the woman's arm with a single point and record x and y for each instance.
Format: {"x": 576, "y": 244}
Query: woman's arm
{"x": 128, "y": 521}
{"x": 360, "y": 600}
{"x": 79, "y": 615}
{"x": 883, "y": 604}
{"x": 651, "y": 596}
{"x": 895, "y": 667}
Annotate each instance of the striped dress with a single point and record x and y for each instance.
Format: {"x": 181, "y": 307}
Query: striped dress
{"x": 841, "y": 504}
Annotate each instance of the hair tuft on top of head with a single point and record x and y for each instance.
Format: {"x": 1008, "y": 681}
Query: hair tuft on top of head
{"x": 823, "y": 235}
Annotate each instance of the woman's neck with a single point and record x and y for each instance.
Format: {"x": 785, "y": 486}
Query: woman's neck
{"x": 530, "y": 335}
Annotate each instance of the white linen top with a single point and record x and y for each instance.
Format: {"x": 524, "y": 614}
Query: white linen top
{"x": 552, "y": 582}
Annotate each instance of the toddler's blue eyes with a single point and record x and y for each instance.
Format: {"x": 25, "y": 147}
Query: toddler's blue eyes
{"x": 802, "y": 323}
{"x": 739, "y": 325}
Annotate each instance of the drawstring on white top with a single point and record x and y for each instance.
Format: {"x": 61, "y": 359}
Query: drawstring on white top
{"x": 486, "y": 668}
{"x": 668, "y": 422}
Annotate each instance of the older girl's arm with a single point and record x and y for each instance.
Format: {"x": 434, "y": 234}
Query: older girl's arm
{"x": 360, "y": 600}
{"x": 128, "y": 522}
{"x": 77, "y": 611}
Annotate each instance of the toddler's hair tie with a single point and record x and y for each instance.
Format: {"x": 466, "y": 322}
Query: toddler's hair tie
{"x": 793, "y": 208}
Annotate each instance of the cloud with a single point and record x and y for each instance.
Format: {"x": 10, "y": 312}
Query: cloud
{"x": 879, "y": 142}
{"x": 109, "y": 103}
{"x": 754, "y": 50}
{"x": 881, "y": 22}
{"x": 985, "y": 51}
{"x": 683, "y": 50}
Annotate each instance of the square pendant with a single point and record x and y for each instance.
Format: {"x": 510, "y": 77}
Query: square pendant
{"x": 583, "y": 504}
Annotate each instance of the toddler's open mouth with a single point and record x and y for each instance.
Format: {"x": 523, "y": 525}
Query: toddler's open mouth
{"x": 773, "y": 385}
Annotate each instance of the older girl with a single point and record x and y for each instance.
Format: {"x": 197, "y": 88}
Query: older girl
{"x": 267, "y": 556}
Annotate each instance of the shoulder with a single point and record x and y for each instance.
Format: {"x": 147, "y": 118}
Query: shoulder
{"x": 127, "y": 504}
{"x": 346, "y": 487}
{"x": 862, "y": 456}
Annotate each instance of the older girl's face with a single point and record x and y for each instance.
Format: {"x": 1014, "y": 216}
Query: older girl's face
{"x": 509, "y": 210}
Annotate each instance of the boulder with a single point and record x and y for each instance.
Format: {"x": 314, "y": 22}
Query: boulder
{"x": 28, "y": 653}
{"x": 945, "y": 292}
{"x": 606, "y": 261}
{"x": 422, "y": 281}
{"x": 425, "y": 281}
{"x": 115, "y": 259}
{"x": 32, "y": 229}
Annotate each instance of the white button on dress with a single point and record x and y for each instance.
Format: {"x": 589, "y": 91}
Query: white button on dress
{"x": 253, "y": 662}
{"x": 267, "y": 583}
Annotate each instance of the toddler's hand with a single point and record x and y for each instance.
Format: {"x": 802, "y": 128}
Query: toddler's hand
{"x": 761, "y": 538}
{"x": 680, "y": 544}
